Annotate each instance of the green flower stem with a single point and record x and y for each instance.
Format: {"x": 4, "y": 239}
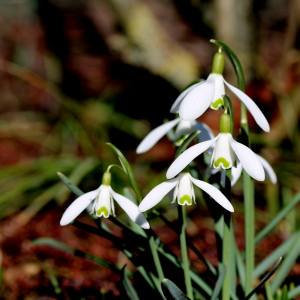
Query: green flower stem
{"x": 248, "y": 182}
{"x": 157, "y": 263}
{"x": 227, "y": 240}
{"x": 249, "y": 228}
{"x": 184, "y": 251}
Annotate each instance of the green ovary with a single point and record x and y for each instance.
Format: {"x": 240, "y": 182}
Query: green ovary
{"x": 103, "y": 211}
{"x": 216, "y": 104}
{"x": 185, "y": 199}
{"x": 222, "y": 161}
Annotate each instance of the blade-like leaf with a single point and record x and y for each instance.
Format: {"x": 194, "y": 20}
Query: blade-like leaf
{"x": 287, "y": 264}
{"x": 70, "y": 185}
{"x": 130, "y": 291}
{"x": 219, "y": 284}
{"x": 264, "y": 265}
{"x": 293, "y": 293}
{"x": 263, "y": 233}
{"x": 264, "y": 279}
{"x": 61, "y": 246}
{"x": 171, "y": 290}
{"x": 186, "y": 142}
{"x": 128, "y": 170}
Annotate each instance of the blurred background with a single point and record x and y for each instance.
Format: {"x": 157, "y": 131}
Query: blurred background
{"x": 75, "y": 75}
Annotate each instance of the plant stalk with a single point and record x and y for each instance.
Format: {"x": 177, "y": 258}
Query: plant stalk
{"x": 184, "y": 251}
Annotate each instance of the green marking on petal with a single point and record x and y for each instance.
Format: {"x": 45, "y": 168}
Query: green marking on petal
{"x": 102, "y": 212}
{"x": 221, "y": 161}
{"x": 216, "y": 104}
{"x": 185, "y": 199}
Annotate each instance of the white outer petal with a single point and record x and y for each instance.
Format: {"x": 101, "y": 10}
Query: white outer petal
{"x": 252, "y": 107}
{"x": 269, "y": 170}
{"x": 156, "y": 194}
{"x": 176, "y": 104}
{"x": 236, "y": 173}
{"x": 187, "y": 156}
{"x": 131, "y": 210}
{"x": 155, "y": 135}
{"x": 206, "y": 133}
{"x": 78, "y": 206}
{"x": 197, "y": 101}
{"x": 214, "y": 193}
{"x": 248, "y": 159}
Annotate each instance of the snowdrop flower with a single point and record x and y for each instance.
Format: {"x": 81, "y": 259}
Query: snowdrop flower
{"x": 103, "y": 204}
{"x": 183, "y": 192}
{"x": 236, "y": 172}
{"x": 195, "y": 100}
{"x": 184, "y": 128}
{"x": 226, "y": 152}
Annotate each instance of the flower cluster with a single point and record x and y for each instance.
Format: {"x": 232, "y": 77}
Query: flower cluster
{"x": 226, "y": 152}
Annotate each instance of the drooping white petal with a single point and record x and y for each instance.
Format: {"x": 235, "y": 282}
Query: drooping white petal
{"x": 78, "y": 206}
{"x": 156, "y": 194}
{"x": 206, "y": 132}
{"x": 187, "y": 156}
{"x": 217, "y": 100}
{"x": 236, "y": 173}
{"x": 131, "y": 210}
{"x": 268, "y": 169}
{"x": 214, "y": 193}
{"x": 197, "y": 101}
{"x": 155, "y": 135}
{"x": 223, "y": 155}
{"x": 183, "y": 128}
{"x": 252, "y": 107}
{"x": 176, "y": 104}
{"x": 248, "y": 159}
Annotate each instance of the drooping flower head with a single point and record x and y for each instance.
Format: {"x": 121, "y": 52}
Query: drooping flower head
{"x": 226, "y": 153}
{"x": 195, "y": 100}
{"x": 103, "y": 204}
{"x": 183, "y": 192}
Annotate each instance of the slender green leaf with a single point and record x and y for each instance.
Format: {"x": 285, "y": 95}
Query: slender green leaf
{"x": 128, "y": 170}
{"x": 264, "y": 265}
{"x": 78, "y": 192}
{"x": 284, "y": 293}
{"x": 287, "y": 264}
{"x": 293, "y": 293}
{"x": 210, "y": 267}
{"x": 263, "y": 233}
{"x": 186, "y": 142}
{"x": 172, "y": 291}
{"x": 61, "y": 246}
{"x": 264, "y": 279}
{"x": 268, "y": 291}
{"x": 130, "y": 291}
{"x": 219, "y": 284}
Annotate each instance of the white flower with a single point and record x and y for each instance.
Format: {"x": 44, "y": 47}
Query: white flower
{"x": 226, "y": 152}
{"x": 236, "y": 172}
{"x": 195, "y": 100}
{"x": 184, "y": 128}
{"x": 183, "y": 192}
{"x": 103, "y": 206}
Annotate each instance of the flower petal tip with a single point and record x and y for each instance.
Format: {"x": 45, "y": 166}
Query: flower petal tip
{"x": 146, "y": 226}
